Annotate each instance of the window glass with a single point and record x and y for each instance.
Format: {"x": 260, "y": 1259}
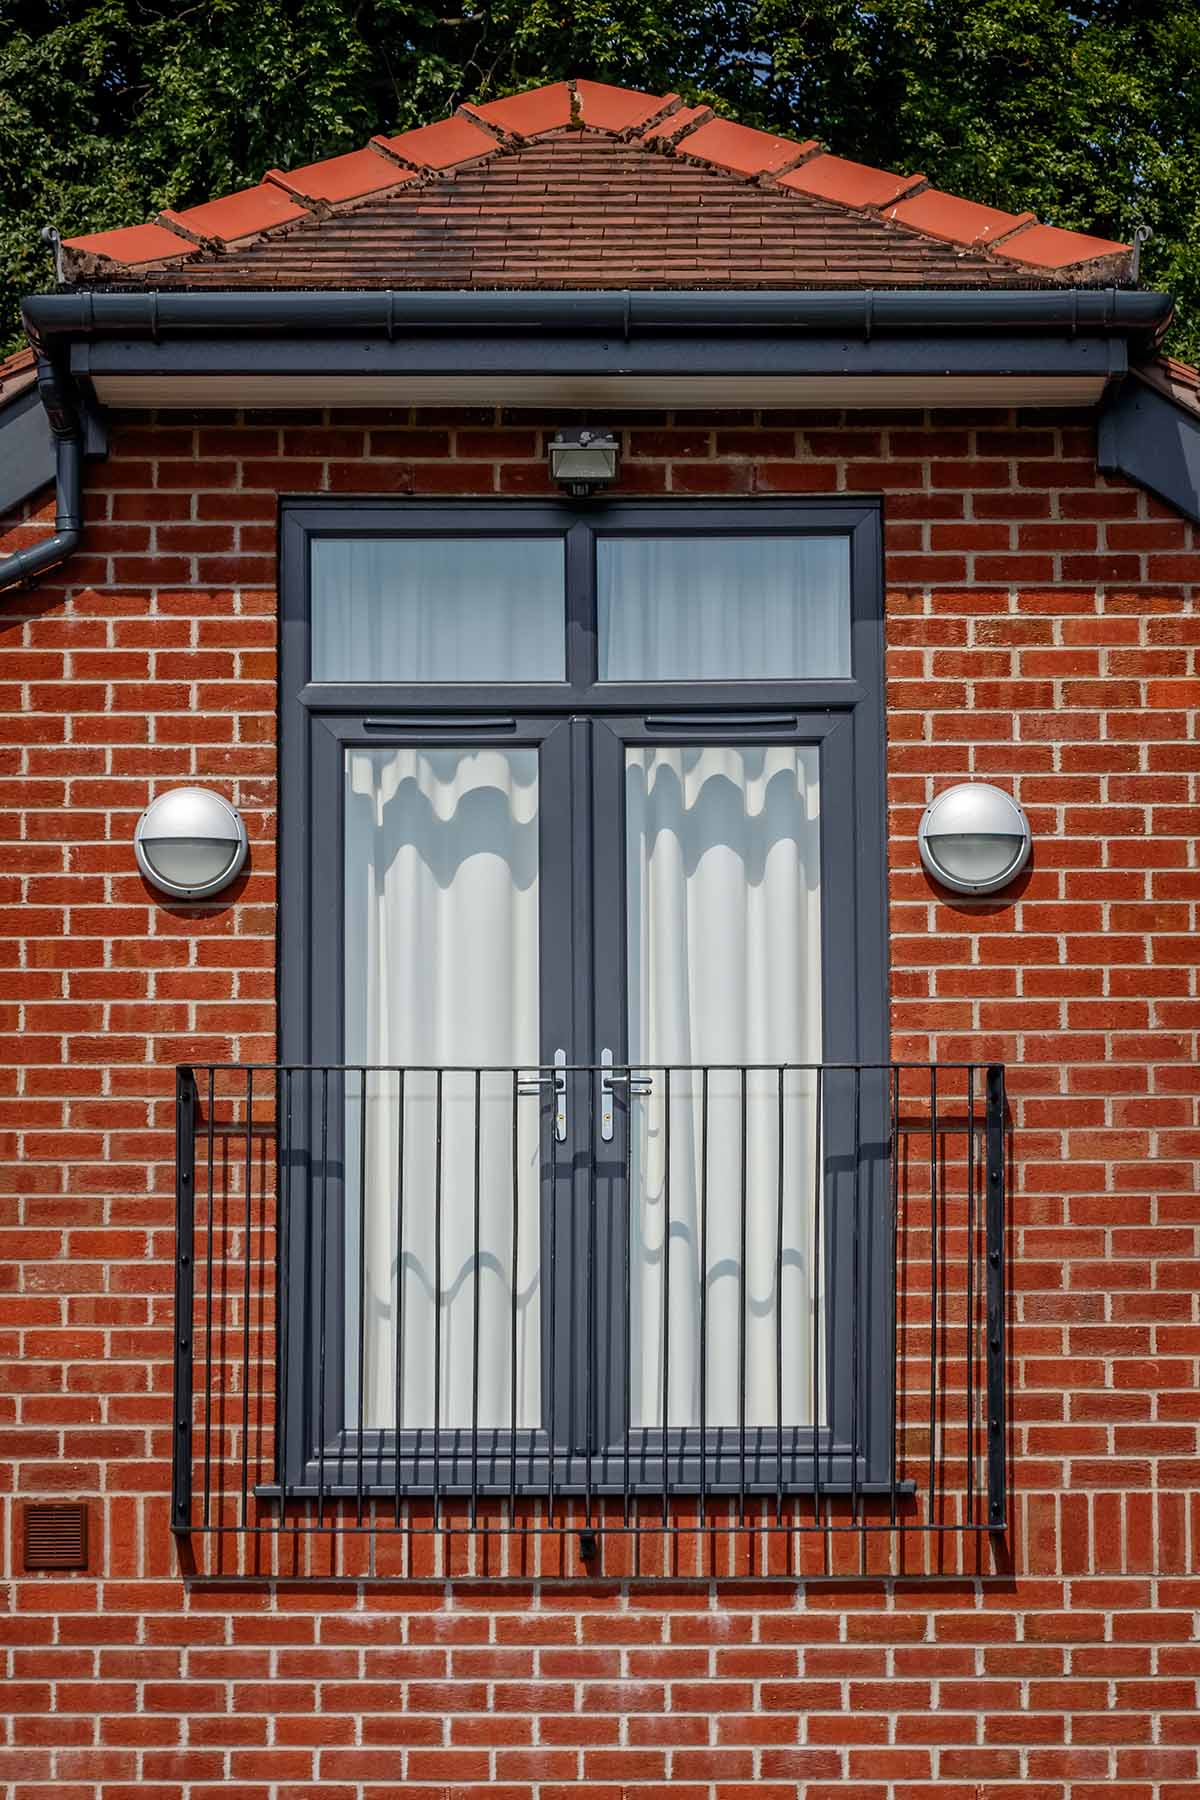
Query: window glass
{"x": 438, "y": 609}
{"x": 723, "y": 608}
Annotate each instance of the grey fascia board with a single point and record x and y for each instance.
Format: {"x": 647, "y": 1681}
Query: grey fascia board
{"x": 766, "y": 353}
{"x": 1150, "y": 439}
{"x": 26, "y": 451}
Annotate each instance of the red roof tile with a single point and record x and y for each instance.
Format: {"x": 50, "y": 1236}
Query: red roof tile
{"x": 953, "y": 220}
{"x": 237, "y": 216}
{"x": 1049, "y": 247}
{"x": 851, "y": 183}
{"x": 18, "y": 373}
{"x": 445, "y": 145}
{"x": 130, "y": 246}
{"x": 744, "y": 151}
{"x": 508, "y": 193}
{"x": 348, "y": 177}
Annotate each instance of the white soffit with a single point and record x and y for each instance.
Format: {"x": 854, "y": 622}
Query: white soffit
{"x": 279, "y": 392}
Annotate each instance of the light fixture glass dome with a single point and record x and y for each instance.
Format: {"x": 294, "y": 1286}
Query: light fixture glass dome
{"x": 190, "y": 843}
{"x": 974, "y": 838}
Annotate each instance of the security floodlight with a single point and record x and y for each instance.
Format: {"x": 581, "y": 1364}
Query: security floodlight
{"x": 583, "y": 460}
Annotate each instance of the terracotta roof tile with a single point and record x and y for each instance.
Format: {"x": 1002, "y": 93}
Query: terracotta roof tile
{"x": 348, "y": 177}
{"x": 440, "y": 146}
{"x": 744, "y": 151}
{"x": 544, "y": 188}
{"x": 237, "y": 216}
{"x": 542, "y": 109}
{"x": 582, "y": 209}
{"x": 851, "y": 183}
{"x": 953, "y": 220}
{"x": 130, "y": 246}
{"x": 1050, "y": 247}
{"x": 18, "y": 373}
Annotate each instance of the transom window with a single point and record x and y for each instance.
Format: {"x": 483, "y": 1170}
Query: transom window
{"x": 583, "y": 953}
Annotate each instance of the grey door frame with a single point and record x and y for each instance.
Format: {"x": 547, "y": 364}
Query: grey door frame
{"x": 319, "y": 720}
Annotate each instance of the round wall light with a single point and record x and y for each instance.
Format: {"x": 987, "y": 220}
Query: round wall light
{"x": 974, "y": 838}
{"x": 190, "y": 843}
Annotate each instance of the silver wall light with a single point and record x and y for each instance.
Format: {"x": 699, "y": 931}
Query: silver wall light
{"x": 974, "y": 838}
{"x": 584, "y": 459}
{"x": 190, "y": 843}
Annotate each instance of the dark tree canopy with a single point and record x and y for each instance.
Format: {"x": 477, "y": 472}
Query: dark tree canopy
{"x": 1086, "y": 112}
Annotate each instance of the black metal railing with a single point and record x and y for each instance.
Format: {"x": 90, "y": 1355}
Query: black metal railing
{"x": 520, "y": 1321}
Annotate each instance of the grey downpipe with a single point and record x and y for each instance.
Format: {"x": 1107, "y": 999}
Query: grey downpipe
{"x": 25, "y": 566}
{"x": 52, "y": 319}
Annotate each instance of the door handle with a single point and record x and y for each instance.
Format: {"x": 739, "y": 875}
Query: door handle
{"x": 533, "y": 1084}
{"x": 639, "y": 1083}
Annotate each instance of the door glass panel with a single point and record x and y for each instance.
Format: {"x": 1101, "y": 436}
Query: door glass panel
{"x": 724, "y": 958}
{"x": 723, "y": 609}
{"x": 438, "y": 609}
{"x": 441, "y": 967}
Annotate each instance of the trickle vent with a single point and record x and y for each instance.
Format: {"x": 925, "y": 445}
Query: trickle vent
{"x": 56, "y": 1537}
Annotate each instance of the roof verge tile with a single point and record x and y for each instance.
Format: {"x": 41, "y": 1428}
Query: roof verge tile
{"x": 744, "y": 151}
{"x": 237, "y": 216}
{"x": 349, "y": 177}
{"x": 850, "y": 183}
{"x": 953, "y": 220}
{"x": 444, "y": 145}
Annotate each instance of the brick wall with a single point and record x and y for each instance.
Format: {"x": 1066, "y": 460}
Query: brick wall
{"x": 1041, "y": 633}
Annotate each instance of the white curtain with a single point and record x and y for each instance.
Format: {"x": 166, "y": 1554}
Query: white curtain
{"x": 438, "y": 609}
{"x": 441, "y": 966}
{"x": 724, "y": 967}
{"x": 723, "y": 609}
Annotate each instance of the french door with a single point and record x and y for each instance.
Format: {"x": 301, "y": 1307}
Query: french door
{"x": 580, "y": 969}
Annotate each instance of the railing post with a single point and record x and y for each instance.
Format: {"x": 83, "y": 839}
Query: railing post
{"x": 994, "y": 1223}
{"x": 185, "y": 1225}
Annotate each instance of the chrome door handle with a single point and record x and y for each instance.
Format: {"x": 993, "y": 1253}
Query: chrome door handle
{"x": 533, "y": 1084}
{"x": 609, "y": 1077}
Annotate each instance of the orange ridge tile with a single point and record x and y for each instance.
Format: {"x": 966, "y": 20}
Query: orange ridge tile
{"x": 743, "y": 150}
{"x": 444, "y": 145}
{"x": 349, "y": 177}
{"x": 131, "y": 245}
{"x": 237, "y": 216}
{"x": 849, "y": 183}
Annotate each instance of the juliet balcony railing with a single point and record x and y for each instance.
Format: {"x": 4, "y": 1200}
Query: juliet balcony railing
{"x": 590, "y": 1320}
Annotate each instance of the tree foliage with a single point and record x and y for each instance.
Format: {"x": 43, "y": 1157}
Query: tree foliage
{"x": 1086, "y": 112}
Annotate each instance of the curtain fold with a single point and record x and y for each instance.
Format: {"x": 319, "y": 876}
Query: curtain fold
{"x": 438, "y": 609}
{"x": 441, "y": 964}
{"x": 723, "y": 609}
{"x": 723, "y": 908}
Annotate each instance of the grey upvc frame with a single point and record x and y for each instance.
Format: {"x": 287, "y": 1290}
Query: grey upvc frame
{"x": 580, "y": 727}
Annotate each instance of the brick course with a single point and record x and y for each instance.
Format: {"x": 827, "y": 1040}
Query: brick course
{"x": 1041, "y": 632}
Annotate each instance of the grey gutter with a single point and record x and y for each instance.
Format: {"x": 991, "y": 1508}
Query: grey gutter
{"x": 66, "y": 428}
{"x": 52, "y": 318}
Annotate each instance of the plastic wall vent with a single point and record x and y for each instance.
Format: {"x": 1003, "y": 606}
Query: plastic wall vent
{"x": 56, "y": 1536}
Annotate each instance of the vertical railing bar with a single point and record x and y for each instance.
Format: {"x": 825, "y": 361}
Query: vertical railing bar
{"x": 246, "y": 1302}
{"x": 321, "y": 1299}
{"x": 666, "y": 1298}
{"x": 362, "y": 1295}
{"x": 627, "y": 1274}
{"x": 815, "y": 1280}
{"x": 971, "y": 1439}
{"x": 856, "y": 1309}
{"x": 398, "y": 1397}
{"x": 437, "y": 1303}
{"x": 893, "y": 1365}
{"x": 512, "y": 1325}
{"x": 933, "y": 1292}
{"x": 185, "y": 1249}
{"x": 704, "y": 1296}
{"x": 779, "y": 1313}
{"x": 208, "y": 1303}
{"x": 995, "y": 1202}
{"x": 589, "y": 1381}
{"x": 474, "y": 1501}
{"x": 552, "y": 1437}
{"x": 283, "y": 1264}
{"x": 743, "y": 1289}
